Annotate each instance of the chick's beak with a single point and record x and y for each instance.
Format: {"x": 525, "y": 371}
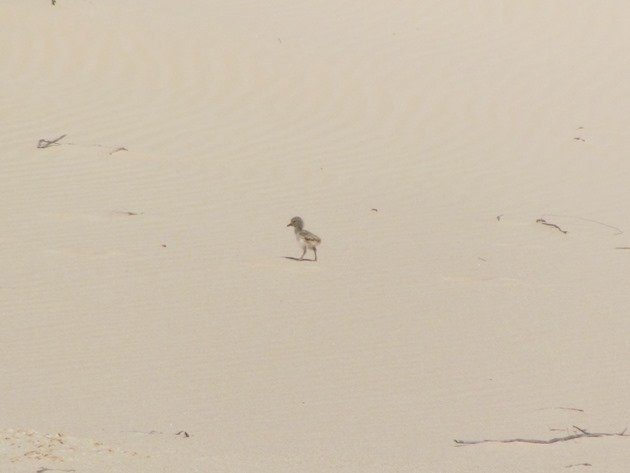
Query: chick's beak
{"x": 290, "y": 224}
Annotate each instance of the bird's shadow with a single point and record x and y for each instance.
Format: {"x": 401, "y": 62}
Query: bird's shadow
{"x": 298, "y": 259}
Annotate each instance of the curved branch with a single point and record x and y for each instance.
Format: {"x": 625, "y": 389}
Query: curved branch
{"x": 582, "y": 434}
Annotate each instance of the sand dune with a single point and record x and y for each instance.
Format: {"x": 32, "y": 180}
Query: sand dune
{"x": 146, "y": 291}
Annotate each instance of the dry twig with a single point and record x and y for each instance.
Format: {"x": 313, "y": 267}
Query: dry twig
{"x": 544, "y": 222}
{"x": 582, "y": 434}
{"x": 118, "y": 149}
{"x": 618, "y": 230}
{"x": 561, "y": 408}
{"x": 46, "y": 143}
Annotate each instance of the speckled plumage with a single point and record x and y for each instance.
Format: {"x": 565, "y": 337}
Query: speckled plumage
{"x": 306, "y": 239}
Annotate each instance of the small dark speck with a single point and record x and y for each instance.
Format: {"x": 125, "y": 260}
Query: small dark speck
{"x": 163, "y": 246}
{"x": 482, "y": 259}
{"x": 183, "y": 433}
{"x": 127, "y": 212}
{"x": 374, "y": 210}
{"x": 578, "y": 138}
{"x": 499, "y": 217}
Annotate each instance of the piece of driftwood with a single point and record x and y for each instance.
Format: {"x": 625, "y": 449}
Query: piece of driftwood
{"x": 582, "y": 433}
{"x": 46, "y": 143}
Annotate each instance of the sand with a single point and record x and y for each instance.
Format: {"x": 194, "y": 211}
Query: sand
{"x": 150, "y": 319}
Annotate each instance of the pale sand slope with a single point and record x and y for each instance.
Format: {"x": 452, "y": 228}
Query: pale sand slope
{"x": 424, "y": 322}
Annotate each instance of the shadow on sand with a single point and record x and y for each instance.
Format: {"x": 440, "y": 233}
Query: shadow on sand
{"x": 298, "y": 259}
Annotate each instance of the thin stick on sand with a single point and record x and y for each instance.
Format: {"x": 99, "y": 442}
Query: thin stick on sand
{"x": 46, "y": 143}
{"x": 118, "y": 149}
{"x": 561, "y": 408}
{"x": 582, "y": 433}
{"x": 43, "y": 143}
{"x": 618, "y": 231}
{"x": 544, "y": 222}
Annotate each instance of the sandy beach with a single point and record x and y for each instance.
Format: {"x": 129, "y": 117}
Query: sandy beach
{"x": 464, "y": 163}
